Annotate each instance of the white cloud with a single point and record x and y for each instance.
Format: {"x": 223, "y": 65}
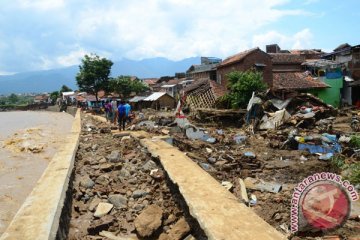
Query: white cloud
{"x": 177, "y": 29}
{"x": 6, "y": 73}
{"x": 72, "y": 58}
{"x": 55, "y": 33}
{"x": 299, "y": 40}
{"x": 41, "y": 4}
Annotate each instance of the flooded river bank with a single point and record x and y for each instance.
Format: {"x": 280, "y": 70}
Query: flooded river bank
{"x": 28, "y": 141}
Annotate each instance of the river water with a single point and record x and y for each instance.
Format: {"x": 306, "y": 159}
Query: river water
{"x": 28, "y": 141}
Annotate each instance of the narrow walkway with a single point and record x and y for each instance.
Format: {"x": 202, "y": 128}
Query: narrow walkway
{"x": 219, "y": 213}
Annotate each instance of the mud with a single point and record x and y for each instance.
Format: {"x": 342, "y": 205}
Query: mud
{"x": 28, "y": 140}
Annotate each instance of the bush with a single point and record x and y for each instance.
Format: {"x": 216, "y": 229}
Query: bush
{"x": 242, "y": 85}
{"x": 353, "y": 173}
{"x": 355, "y": 141}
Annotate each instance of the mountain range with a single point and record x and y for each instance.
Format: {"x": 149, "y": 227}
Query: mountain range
{"x": 52, "y": 80}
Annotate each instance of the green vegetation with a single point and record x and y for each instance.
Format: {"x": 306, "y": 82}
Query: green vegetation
{"x": 124, "y": 86}
{"x": 14, "y": 100}
{"x": 65, "y": 88}
{"x": 351, "y": 171}
{"x": 241, "y": 86}
{"x": 337, "y": 162}
{"x": 355, "y": 141}
{"x": 93, "y": 74}
{"x": 54, "y": 96}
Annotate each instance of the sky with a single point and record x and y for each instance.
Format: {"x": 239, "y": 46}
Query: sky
{"x": 46, "y": 34}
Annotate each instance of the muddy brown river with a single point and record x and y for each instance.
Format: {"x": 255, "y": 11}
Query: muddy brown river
{"x": 28, "y": 141}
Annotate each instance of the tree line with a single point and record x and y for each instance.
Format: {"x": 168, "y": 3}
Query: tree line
{"x": 94, "y": 76}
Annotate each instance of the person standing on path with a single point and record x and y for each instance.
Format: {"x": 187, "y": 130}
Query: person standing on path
{"x": 115, "y": 110}
{"x": 108, "y": 111}
{"x": 122, "y": 115}
{"x": 127, "y": 111}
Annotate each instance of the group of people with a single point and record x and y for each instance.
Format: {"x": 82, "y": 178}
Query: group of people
{"x": 118, "y": 114}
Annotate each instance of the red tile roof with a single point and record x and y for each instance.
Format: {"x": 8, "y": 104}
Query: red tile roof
{"x": 174, "y": 81}
{"x": 286, "y": 58}
{"x": 151, "y": 81}
{"x": 237, "y": 57}
{"x": 218, "y": 89}
{"x": 296, "y": 81}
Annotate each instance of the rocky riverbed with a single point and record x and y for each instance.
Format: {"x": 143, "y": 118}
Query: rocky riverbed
{"x": 120, "y": 191}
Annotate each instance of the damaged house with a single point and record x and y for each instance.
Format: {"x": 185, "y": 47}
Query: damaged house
{"x": 303, "y": 71}
{"x": 349, "y": 57}
{"x": 203, "y": 93}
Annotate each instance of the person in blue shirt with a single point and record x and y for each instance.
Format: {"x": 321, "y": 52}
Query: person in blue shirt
{"x": 122, "y": 115}
{"x": 127, "y": 111}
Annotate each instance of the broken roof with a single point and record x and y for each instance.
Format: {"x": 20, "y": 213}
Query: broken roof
{"x": 296, "y": 81}
{"x": 286, "y": 58}
{"x": 238, "y": 57}
{"x": 203, "y": 85}
{"x": 321, "y": 63}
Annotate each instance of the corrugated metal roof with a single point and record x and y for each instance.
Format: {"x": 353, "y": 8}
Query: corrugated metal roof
{"x": 168, "y": 86}
{"x": 68, "y": 93}
{"x": 137, "y": 99}
{"x": 155, "y": 96}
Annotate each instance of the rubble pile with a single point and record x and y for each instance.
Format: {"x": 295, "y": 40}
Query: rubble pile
{"x": 261, "y": 174}
{"x": 262, "y": 166}
{"x": 120, "y": 191}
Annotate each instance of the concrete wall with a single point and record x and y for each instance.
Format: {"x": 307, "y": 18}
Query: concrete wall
{"x": 330, "y": 95}
{"x": 40, "y": 215}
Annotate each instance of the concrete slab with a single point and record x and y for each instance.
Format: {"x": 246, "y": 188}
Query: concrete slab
{"x": 39, "y": 216}
{"x": 219, "y": 213}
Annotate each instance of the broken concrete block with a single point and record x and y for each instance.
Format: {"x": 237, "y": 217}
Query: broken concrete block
{"x": 257, "y": 184}
{"x": 244, "y": 195}
{"x": 103, "y": 209}
{"x": 148, "y": 221}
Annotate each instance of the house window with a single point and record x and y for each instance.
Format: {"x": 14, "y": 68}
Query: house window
{"x": 260, "y": 67}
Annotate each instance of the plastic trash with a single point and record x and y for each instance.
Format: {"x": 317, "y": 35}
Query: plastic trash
{"x": 253, "y": 200}
{"x": 205, "y": 166}
{"x": 211, "y": 140}
{"x": 249, "y": 154}
{"x": 326, "y": 156}
{"x": 239, "y": 139}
